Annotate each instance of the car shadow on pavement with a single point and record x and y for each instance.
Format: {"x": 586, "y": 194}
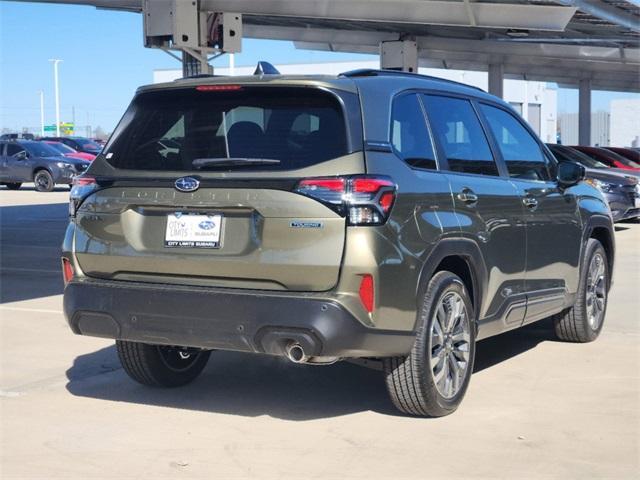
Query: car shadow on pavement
{"x": 254, "y": 385}
{"x": 241, "y": 384}
{"x": 495, "y": 350}
{"x": 30, "y": 241}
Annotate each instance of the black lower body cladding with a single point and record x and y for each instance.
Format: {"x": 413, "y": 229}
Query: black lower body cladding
{"x": 225, "y": 319}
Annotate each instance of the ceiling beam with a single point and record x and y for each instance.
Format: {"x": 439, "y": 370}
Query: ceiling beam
{"x": 606, "y": 12}
{"x": 424, "y": 12}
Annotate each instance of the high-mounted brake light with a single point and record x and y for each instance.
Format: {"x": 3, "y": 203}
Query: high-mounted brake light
{"x": 365, "y": 200}
{"x": 82, "y": 187}
{"x": 218, "y": 88}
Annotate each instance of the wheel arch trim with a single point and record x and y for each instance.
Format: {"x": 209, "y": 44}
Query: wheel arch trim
{"x": 601, "y": 222}
{"x": 467, "y": 250}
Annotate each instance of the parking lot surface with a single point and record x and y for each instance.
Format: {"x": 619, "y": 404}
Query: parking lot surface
{"x": 535, "y": 408}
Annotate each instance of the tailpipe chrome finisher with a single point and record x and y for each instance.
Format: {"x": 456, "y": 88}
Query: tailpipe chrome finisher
{"x": 295, "y": 353}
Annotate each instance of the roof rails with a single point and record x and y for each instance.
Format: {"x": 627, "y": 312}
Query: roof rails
{"x": 372, "y": 72}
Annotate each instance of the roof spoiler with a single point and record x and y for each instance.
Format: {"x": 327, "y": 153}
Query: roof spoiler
{"x": 265, "y": 68}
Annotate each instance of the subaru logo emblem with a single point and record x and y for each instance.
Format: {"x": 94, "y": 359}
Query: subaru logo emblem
{"x": 187, "y": 184}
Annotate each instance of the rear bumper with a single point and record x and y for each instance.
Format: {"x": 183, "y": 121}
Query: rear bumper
{"x": 225, "y": 319}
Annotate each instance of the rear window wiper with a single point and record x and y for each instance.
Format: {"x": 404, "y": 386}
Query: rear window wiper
{"x": 199, "y": 163}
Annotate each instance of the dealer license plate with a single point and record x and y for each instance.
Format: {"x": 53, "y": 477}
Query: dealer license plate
{"x": 189, "y": 230}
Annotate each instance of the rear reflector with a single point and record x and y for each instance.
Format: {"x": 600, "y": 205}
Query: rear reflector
{"x": 67, "y": 270}
{"x": 218, "y": 88}
{"x": 366, "y": 292}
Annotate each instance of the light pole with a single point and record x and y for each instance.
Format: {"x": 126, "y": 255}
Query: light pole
{"x": 57, "y": 93}
{"x": 41, "y": 113}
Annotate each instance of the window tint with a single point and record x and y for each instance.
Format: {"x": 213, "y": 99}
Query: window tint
{"x": 40, "y": 149}
{"x": 13, "y": 148}
{"x": 456, "y": 125}
{"x": 169, "y": 130}
{"x": 409, "y": 134}
{"x": 519, "y": 148}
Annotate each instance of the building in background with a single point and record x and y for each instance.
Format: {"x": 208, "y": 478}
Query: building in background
{"x": 625, "y": 122}
{"x": 568, "y": 128}
{"x": 535, "y": 101}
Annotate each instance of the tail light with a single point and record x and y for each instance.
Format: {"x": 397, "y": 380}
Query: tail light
{"x": 67, "y": 270}
{"x": 364, "y": 200}
{"x": 82, "y": 187}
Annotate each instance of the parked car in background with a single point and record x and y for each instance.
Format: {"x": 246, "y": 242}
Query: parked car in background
{"x": 612, "y": 159}
{"x": 621, "y": 191}
{"x": 628, "y": 153}
{"x": 16, "y": 136}
{"x": 67, "y": 151}
{"x": 28, "y": 161}
{"x": 79, "y": 144}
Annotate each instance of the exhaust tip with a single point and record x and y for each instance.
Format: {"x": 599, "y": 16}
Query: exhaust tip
{"x": 295, "y": 353}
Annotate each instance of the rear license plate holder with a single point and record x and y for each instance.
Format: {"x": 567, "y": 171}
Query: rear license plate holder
{"x": 193, "y": 230}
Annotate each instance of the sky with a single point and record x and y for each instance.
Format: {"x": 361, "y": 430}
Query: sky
{"x": 104, "y": 61}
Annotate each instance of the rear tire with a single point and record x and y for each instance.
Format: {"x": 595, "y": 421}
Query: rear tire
{"x": 13, "y": 186}
{"x": 432, "y": 380}
{"x": 43, "y": 181}
{"x": 160, "y": 365}
{"x": 583, "y": 322}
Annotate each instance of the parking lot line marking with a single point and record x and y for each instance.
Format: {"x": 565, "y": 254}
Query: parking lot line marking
{"x": 26, "y": 309}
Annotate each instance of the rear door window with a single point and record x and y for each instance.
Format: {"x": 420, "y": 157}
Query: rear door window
{"x": 520, "y": 150}
{"x": 456, "y": 126}
{"x": 285, "y": 128}
{"x": 409, "y": 135}
{"x": 14, "y": 149}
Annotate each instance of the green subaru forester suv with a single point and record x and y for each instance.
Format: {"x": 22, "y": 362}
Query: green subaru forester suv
{"x": 374, "y": 215}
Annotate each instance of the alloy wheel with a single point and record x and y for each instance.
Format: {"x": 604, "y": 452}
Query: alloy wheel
{"x": 450, "y": 339}
{"x": 596, "y": 291}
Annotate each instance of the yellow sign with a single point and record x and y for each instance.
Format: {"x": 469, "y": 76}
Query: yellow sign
{"x": 67, "y": 128}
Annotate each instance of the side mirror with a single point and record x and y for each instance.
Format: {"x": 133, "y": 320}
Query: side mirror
{"x": 23, "y": 155}
{"x": 570, "y": 173}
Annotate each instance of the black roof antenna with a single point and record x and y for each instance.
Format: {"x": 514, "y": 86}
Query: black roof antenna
{"x": 265, "y": 68}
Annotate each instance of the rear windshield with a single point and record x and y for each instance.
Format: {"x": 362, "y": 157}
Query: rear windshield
{"x": 40, "y": 149}
{"x": 571, "y": 155}
{"x": 61, "y": 147}
{"x": 249, "y": 128}
{"x": 621, "y": 159}
{"x": 86, "y": 143}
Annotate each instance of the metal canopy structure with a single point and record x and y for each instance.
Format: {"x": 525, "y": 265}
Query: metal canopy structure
{"x": 564, "y": 41}
{"x": 589, "y": 44}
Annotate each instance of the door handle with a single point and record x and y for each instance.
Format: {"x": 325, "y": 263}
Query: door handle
{"x": 530, "y": 202}
{"x": 467, "y": 196}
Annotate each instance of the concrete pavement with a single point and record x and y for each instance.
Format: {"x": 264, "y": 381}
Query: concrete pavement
{"x": 536, "y": 407}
